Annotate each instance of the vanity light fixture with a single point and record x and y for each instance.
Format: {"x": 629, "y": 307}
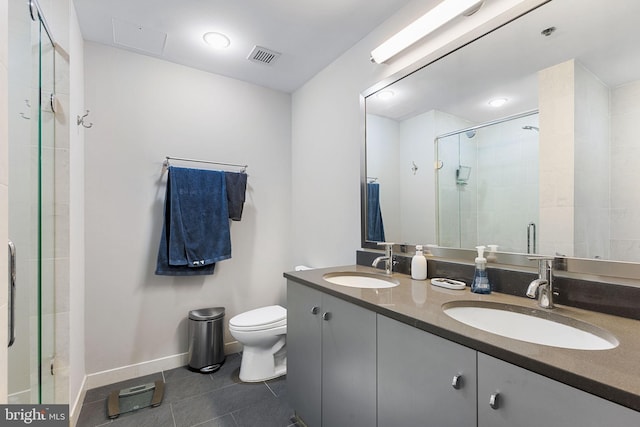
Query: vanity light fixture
{"x": 498, "y": 102}
{"x": 217, "y": 40}
{"x": 423, "y": 26}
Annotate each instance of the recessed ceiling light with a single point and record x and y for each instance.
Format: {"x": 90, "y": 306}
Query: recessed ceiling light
{"x": 216, "y": 40}
{"x": 385, "y": 94}
{"x": 498, "y": 102}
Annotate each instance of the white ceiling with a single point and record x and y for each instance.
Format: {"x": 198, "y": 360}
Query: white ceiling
{"x": 601, "y": 35}
{"x": 310, "y": 34}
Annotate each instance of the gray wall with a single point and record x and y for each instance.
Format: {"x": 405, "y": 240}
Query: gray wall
{"x": 144, "y": 109}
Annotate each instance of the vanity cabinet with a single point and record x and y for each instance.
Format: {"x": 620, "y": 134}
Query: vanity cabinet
{"x": 510, "y": 396}
{"x": 423, "y": 379}
{"x": 331, "y": 359}
{"x": 348, "y": 366}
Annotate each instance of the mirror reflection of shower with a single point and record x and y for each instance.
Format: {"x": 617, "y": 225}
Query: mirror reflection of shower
{"x": 487, "y": 185}
{"x": 463, "y": 173}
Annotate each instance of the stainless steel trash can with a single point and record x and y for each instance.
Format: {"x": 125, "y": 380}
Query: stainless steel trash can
{"x": 206, "y": 346}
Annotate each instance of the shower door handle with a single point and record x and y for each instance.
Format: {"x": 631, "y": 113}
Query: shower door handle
{"x": 12, "y": 293}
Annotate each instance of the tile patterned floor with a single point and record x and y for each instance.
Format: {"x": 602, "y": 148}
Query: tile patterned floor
{"x": 194, "y": 399}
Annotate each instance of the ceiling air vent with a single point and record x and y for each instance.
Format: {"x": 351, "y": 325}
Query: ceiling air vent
{"x": 262, "y": 55}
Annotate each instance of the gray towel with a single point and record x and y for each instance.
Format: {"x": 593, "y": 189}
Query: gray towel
{"x": 236, "y": 190}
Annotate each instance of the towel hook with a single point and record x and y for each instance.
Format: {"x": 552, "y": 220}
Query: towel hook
{"x": 80, "y": 121}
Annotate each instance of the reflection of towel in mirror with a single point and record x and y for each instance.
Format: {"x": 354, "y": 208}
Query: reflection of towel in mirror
{"x": 236, "y": 189}
{"x": 195, "y": 232}
{"x": 375, "y": 227}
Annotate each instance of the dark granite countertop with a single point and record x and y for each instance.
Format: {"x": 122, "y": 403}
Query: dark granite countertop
{"x": 611, "y": 374}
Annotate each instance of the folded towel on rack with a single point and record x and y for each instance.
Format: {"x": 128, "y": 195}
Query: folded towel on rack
{"x": 236, "y": 190}
{"x": 195, "y": 232}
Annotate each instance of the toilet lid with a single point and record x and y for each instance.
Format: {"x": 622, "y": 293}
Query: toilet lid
{"x": 260, "y": 317}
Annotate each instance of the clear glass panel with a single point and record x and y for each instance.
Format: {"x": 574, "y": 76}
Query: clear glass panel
{"x": 47, "y": 216}
{"x": 31, "y": 180}
{"x": 23, "y": 198}
{"x": 449, "y": 206}
{"x": 488, "y": 186}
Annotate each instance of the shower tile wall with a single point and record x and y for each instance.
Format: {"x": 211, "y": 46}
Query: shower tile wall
{"x": 625, "y": 173}
{"x": 507, "y": 170}
{"x": 592, "y": 128}
{"x": 590, "y": 172}
{"x": 556, "y": 105}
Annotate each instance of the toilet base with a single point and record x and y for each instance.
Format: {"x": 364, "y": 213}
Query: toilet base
{"x": 258, "y": 365}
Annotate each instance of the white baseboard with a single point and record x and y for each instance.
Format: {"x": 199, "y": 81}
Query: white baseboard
{"x": 76, "y": 406}
{"x": 123, "y": 373}
{"x": 20, "y": 398}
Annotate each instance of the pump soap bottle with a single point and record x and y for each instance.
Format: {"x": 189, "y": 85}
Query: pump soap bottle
{"x": 418, "y": 265}
{"x": 480, "y": 283}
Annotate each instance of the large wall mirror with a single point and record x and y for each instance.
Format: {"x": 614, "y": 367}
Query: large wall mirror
{"x": 527, "y": 138}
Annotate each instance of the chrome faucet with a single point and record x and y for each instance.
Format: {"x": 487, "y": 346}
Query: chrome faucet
{"x": 387, "y": 258}
{"x": 543, "y": 285}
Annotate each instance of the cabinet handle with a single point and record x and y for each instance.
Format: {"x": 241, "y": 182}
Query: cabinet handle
{"x": 315, "y": 310}
{"x": 494, "y": 400}
{"x": 457, "y": 382}
{"x": 326, "y": 315}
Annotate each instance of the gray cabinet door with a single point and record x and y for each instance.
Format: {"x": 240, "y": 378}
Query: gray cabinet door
{"x": 416, "y": 373}
{"x": 527, "y": 399}
{"x": 304, "y": 352}
{"x": 348, "y": 365}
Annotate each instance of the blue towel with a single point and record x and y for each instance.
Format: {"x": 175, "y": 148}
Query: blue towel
{"x": 375, "y": 227}
{"x": 236, "y": 189}
{"x": 195, "y": 232}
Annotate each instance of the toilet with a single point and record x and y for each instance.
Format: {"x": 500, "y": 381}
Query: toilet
{"x": 262, "y": 332}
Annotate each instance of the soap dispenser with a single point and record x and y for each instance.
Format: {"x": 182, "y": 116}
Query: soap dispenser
{"x": 419, "y": 265}
{"x": 480, "y": 283}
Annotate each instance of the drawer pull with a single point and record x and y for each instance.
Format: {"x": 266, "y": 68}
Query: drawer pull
{"x": 326, "y": 316}
{"x": 494, "y": 400}
{"x": 315, "y": 310}
{"x": 457, "y": 382}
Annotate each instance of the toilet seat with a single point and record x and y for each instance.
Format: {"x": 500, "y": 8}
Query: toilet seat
{"x": 270, "y": 317}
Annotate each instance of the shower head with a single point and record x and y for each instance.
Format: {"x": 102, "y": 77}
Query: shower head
{"x": 470, "y": 133}
{"x": 531, "y": 128}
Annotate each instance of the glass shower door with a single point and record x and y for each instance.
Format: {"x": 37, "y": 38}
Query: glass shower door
{"x": 46, "y": 218}
{"x": 31, "y": 204}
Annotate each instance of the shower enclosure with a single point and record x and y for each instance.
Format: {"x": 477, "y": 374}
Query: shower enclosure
{"x": 31, "y": 106}
{"x": 487, "y": 184}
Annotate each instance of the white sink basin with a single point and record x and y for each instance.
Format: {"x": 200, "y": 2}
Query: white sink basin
{"x": 531, "y": 325}
{"x": 360, "y": 280}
